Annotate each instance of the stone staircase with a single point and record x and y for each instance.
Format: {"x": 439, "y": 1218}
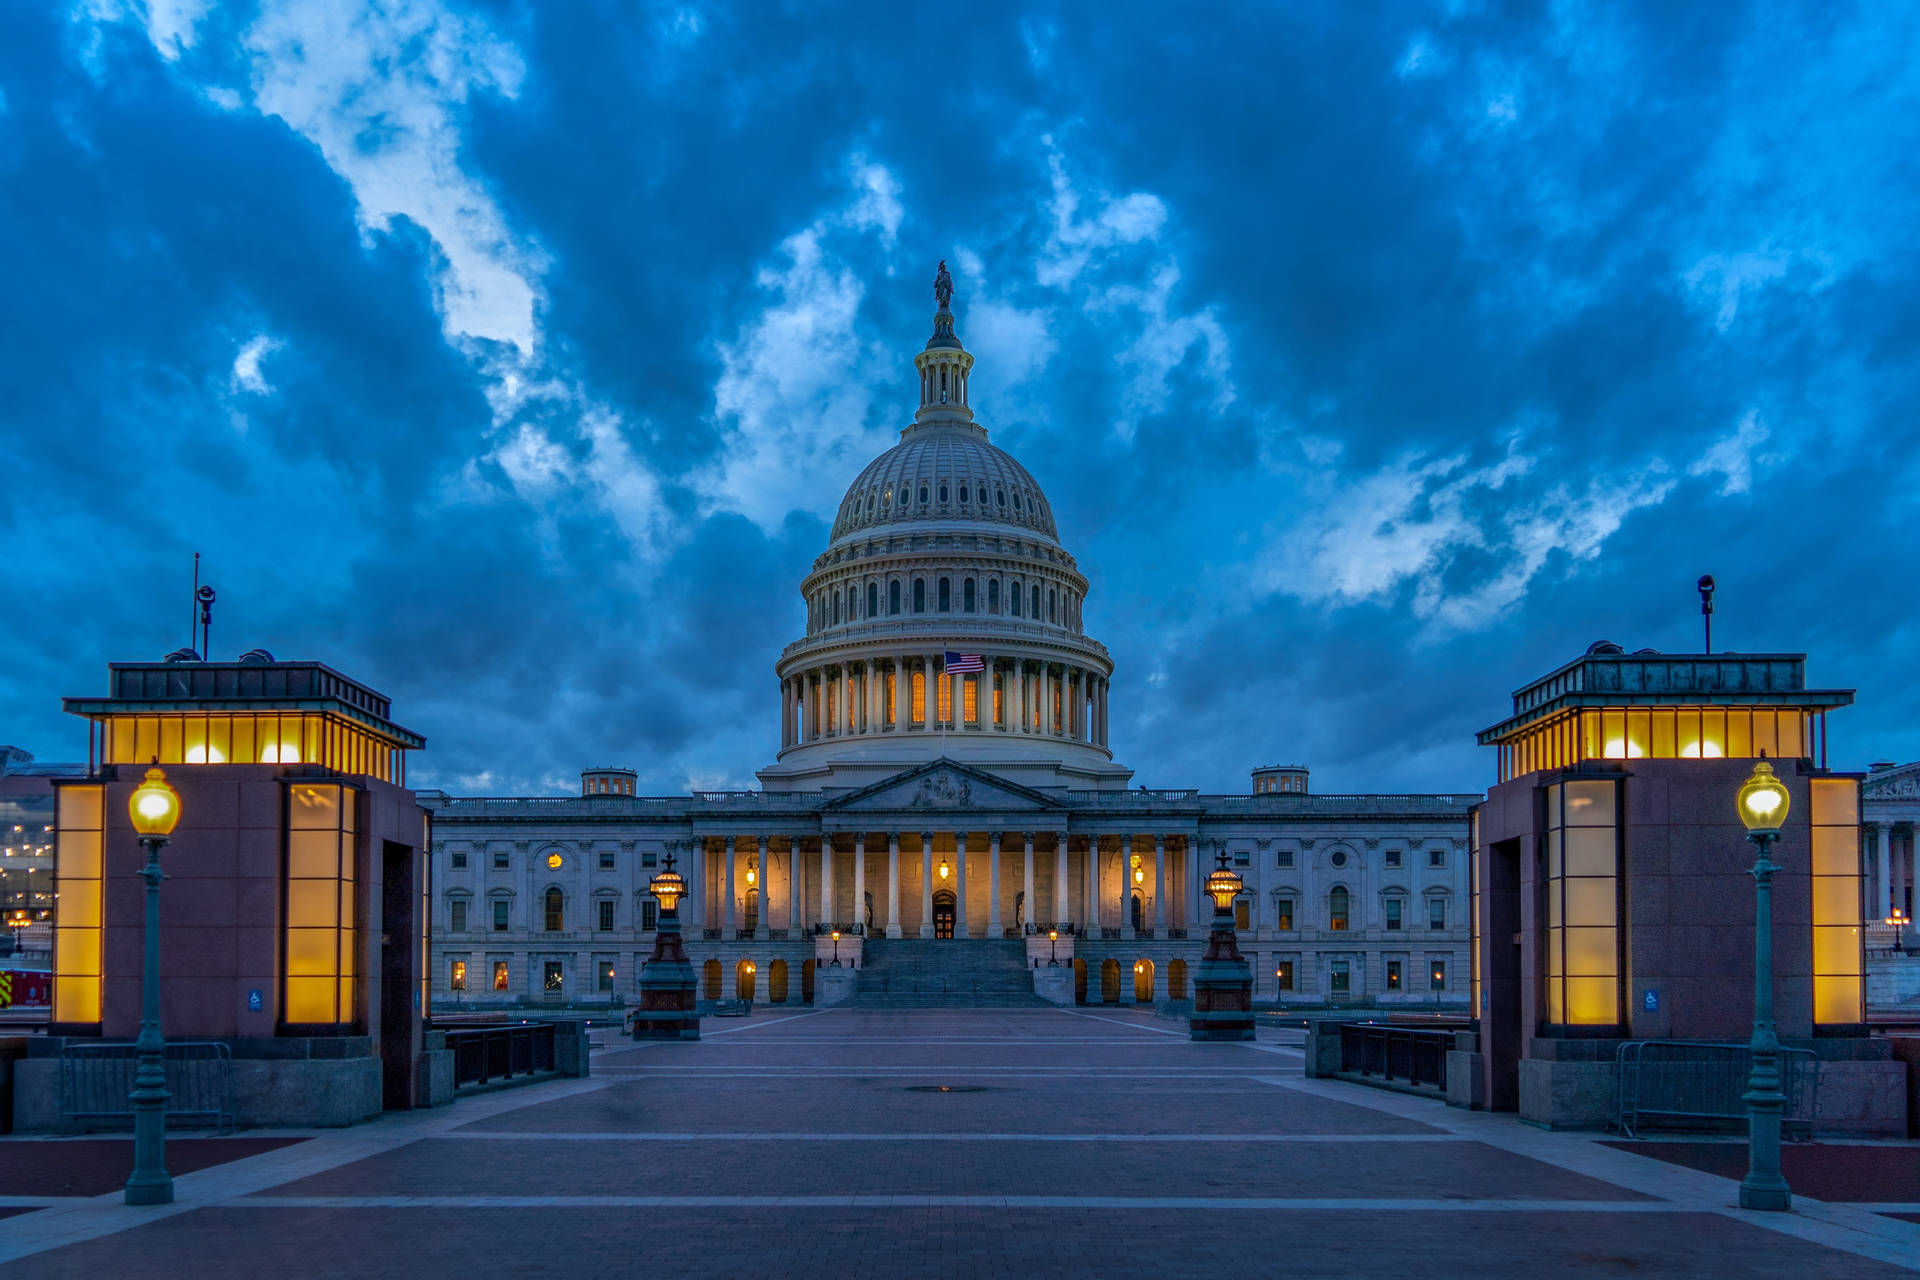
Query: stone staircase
{"x": 972, "y": 973}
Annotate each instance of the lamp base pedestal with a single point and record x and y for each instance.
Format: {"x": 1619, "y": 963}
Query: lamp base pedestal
{"x": 1222, "y": 989}
{"x": 669, "y": 992}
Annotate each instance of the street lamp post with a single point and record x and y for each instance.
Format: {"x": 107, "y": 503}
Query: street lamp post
{"x": 154, "y": 808}
{"x": 1898, "y": 920}
{"x": 1763, "y": 809}
{"x": 1053, "y": 948}
{"x": 836, "y": 950}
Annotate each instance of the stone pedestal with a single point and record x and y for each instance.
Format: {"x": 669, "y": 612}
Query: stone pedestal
{"x": 832, "y": 987}
{"x": 1054, "y": 983}
{"x": 1222, "y": 987}
{"x": 669, "y": 993}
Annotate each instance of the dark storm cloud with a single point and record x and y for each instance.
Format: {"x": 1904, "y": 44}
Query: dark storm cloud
{"x": 1374, "y": 361}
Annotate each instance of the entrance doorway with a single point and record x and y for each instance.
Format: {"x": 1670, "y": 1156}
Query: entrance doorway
{"x": 743, "y": 983}
{"x": 400, "y": 1012}
{"x": 1139, "y": 913}
{"x": 943, "y": 914}
{"x": 1109, "y": 982}
{"x": 1143, "y": 982}
{"x": 777, "y": 982}
{"x": 711, "y": 972}
{"x": 1177, "y": 980}
{"x": 750, "y": 912}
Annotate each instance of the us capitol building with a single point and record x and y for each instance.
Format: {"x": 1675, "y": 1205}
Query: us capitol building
{"x": 945, "y": 799}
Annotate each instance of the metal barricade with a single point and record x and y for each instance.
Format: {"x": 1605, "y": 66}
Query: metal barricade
{"x": 482, "y": 1055}
{"x": 1695, "y": 1085}
{"x": 97, "y": 1079}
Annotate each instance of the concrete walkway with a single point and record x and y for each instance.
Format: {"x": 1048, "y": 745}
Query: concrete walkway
{"x": 988, "y": 1142}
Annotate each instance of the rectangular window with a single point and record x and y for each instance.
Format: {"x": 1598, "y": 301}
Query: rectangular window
{"x": 1393, "y": 975}
{"x": 458, "y": 859}
{"x": 1394, "y": 906}
{"x": 1285, "y": 857}
{"x": 970, "y": 699}
{"x": 556, "y": 910}
{"x": 457, "y": 976}
{"x": 1241, "y": 914}
{"x": 499, "y": 915}
{"x": 500, "y": 862}
{"x": 76, "y": 934}
{"x": 1583, "y": 949}
{"x": 999, "y": 716}
{"x": 1283, "y": 913}
{"x": 550, "y": 981}
{"x": 1436, "y": 975}
{"x": 1838, "y": 960}
{"x": 457, "y": 916}
{"x": 499, "y": 975}
{"x": 1340, "y": 977}
{"x": 1436, "y": 857}
{"x": 1393, "y": 857}
{"x": 1436, "y": 913}
{"x": 319, "y": 929}
{"x": 603, "y": 974}
{"x": 606, "y": 859}
{"x": 1283, "y": 975}
{"x": 649, "y": 915}
{"x": 649, "y": 859}
{"x": 603, "y": 912}
{"x": 920, "y": 697}
{"x": 1242, "y": 858}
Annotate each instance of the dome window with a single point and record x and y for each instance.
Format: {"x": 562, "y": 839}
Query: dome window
{"x": 983, "y": 495}
{"x": 923, "y": 495}
{"x": 963, "y": 493}
{"x": 943, "y": 493}
{"x": 967, "y": 596}
{"x": 886, "y": 499}
{"x": 1001, "y": 496}
{"x": 993, "y": 595}
{"x": 873, "y": 598}
{"x": 893, "y": 596}
{"x": 946, "y": 595}
{"x": 919, "y": 595}
{"x": 1016, "y": 499}
{"x": 1014, "y": 595}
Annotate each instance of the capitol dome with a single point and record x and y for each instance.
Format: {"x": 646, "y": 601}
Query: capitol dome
{"x": 944, "y": 554}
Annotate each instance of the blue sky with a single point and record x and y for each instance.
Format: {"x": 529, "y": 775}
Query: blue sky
{"x": 1376, "y": 358}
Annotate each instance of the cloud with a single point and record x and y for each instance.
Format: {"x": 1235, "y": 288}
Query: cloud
{"x": 1732, "y": 456}
{"x": 1076, "y": 241}
{"x": 246, "y": 364}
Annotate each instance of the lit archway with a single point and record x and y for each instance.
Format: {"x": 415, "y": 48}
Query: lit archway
{"x": 777, "y": 982}
{"x": 1143, "y": 981}
{"x": 711, "y": 972}
{"x": 743, "y": 980}
{"x": 1177, "y": 980}
{"x": 1109, "y": 982}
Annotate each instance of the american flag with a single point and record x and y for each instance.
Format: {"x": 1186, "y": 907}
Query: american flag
{"x": 959, "y": 664}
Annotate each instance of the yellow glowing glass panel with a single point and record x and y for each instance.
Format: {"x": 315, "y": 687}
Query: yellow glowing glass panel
{"x": 1583, "y": 940}
{"x": 1658, "y": 733}
{"x": 76, "y": 917}
{"x": 945, "y": 700}
{"x": 319, "y": 929}
{"x": 1839, "y": 958}
{"x": 250, "y": 738}
{"x": 970, "y": 700}
{"x": 920, "y": 697}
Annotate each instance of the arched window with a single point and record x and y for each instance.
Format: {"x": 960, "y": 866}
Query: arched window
{"x": 923, "y": 495}
{"x": 1036, "y": 603}
{"x": 1053, "y": 605}
{"x": 893, "y": 596}
{"x": 943, "y": 391}
{"x": 966, "y": 595}
{"x": 873, "y": 598}
{"x": 1016, "y": 499}
{"x": 919, "y": 595}
{"x": 1000, "y": 497}
{"x": 836, "y": 604}
{"x": 555, "y": 904}
{"x": 1013, "y": 593}
{"x": 963, "y": 493}
{"x": 983, "y": 495}
{"x": 993, "y": 595}
{"x": 1339, "y": 908}
{"x": 946, "y": 596}
{"x": 886, "y": 499}
{"x": 943, "y": 492}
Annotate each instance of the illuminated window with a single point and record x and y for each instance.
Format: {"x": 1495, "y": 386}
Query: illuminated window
{"x": 603, "y": 916}
{"x": 1283, "y": 975}
{"x": 499, "y": 915}
{"x": 499, "y": 975}
{"x": 1436, "y": 913}
{"x": 970, "y": 698}
{"x": 457, "y": 976}
{"x": 1838, "y": 960}
{"x": 458, "y": 859}
{"x": 555, "y": 861}
{"x": 1437, "y": 975}
{"x": 998, "y": 695}
{"x": 1339, "y": 904}
{"x": 1583, "y": 966}
{"x": 945, "y": 700}
{"x": 249, "y": 738}
{"x": 1340, "y": 977}
{"x": 550, "y": 981}
{"x": 76, "y": 957}
{"x": 1394, "y": 906}
{"x": 603, "y": 974}
{"x": 1283, "y": 913}
{"x": 919, "y": 697}
{"x": 1242, "y": 913}
{"x": 554, "y": 904}
{"x": 1393, "y": 975}
{"x": 457, "y": 916}
{"x": 319, "y": 933}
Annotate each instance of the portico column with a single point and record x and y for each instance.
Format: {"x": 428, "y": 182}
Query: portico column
{"x": 893, "y": 884}
{"x": 1884, "y": 866}
{"x": 762, "y": 926}
{"x": 926, "y": 884}
{"x": 1126, "y": 886}
{"x": 860, "y": 880}
{"x": 1029, "y": 898}
{"x": 733, "y": 916}
{"x": 1913, "y": 862}
{"x": 1093, "y": 886}
{"x": 994, "y": 929}
{"x": 793, "y": 886}
{"x": 1196, "y": 854}
{"x": 960, "y": 885}
{"x": 1160, "y": 886}
{"x": 1026, "y": 715}
{"x": 826, "y": 879}
{"x": 1060, "y": 877}
{"x": 1046, "y": 698}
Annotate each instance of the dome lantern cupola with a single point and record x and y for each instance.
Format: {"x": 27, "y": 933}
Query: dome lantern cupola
{"x": 944, "y": 365}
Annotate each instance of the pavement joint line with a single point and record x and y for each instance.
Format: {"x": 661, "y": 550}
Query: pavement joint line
{"x": 1099, "y": 1017}
{"x": 706, "y": 1034}
{"x": 851, "y": 1201}
{"x": 1841, "y": 1227}
{"x": 514, "y": 1135}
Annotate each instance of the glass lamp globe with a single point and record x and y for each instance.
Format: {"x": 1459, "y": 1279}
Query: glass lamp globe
{"x": 669, "y": 887}
{"x": 154, "y": 805}
{"x": 1223, "y": 886}
{"x": 1763, "y": 801}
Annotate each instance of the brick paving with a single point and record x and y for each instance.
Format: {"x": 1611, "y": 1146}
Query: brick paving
{"x": 1872, "y": 1173}
{"x": 1068, "y": 1144}
{"x": 95, "y": 1166}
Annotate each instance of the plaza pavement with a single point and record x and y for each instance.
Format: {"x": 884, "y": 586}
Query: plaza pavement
{"x": 941, "y": 1143}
